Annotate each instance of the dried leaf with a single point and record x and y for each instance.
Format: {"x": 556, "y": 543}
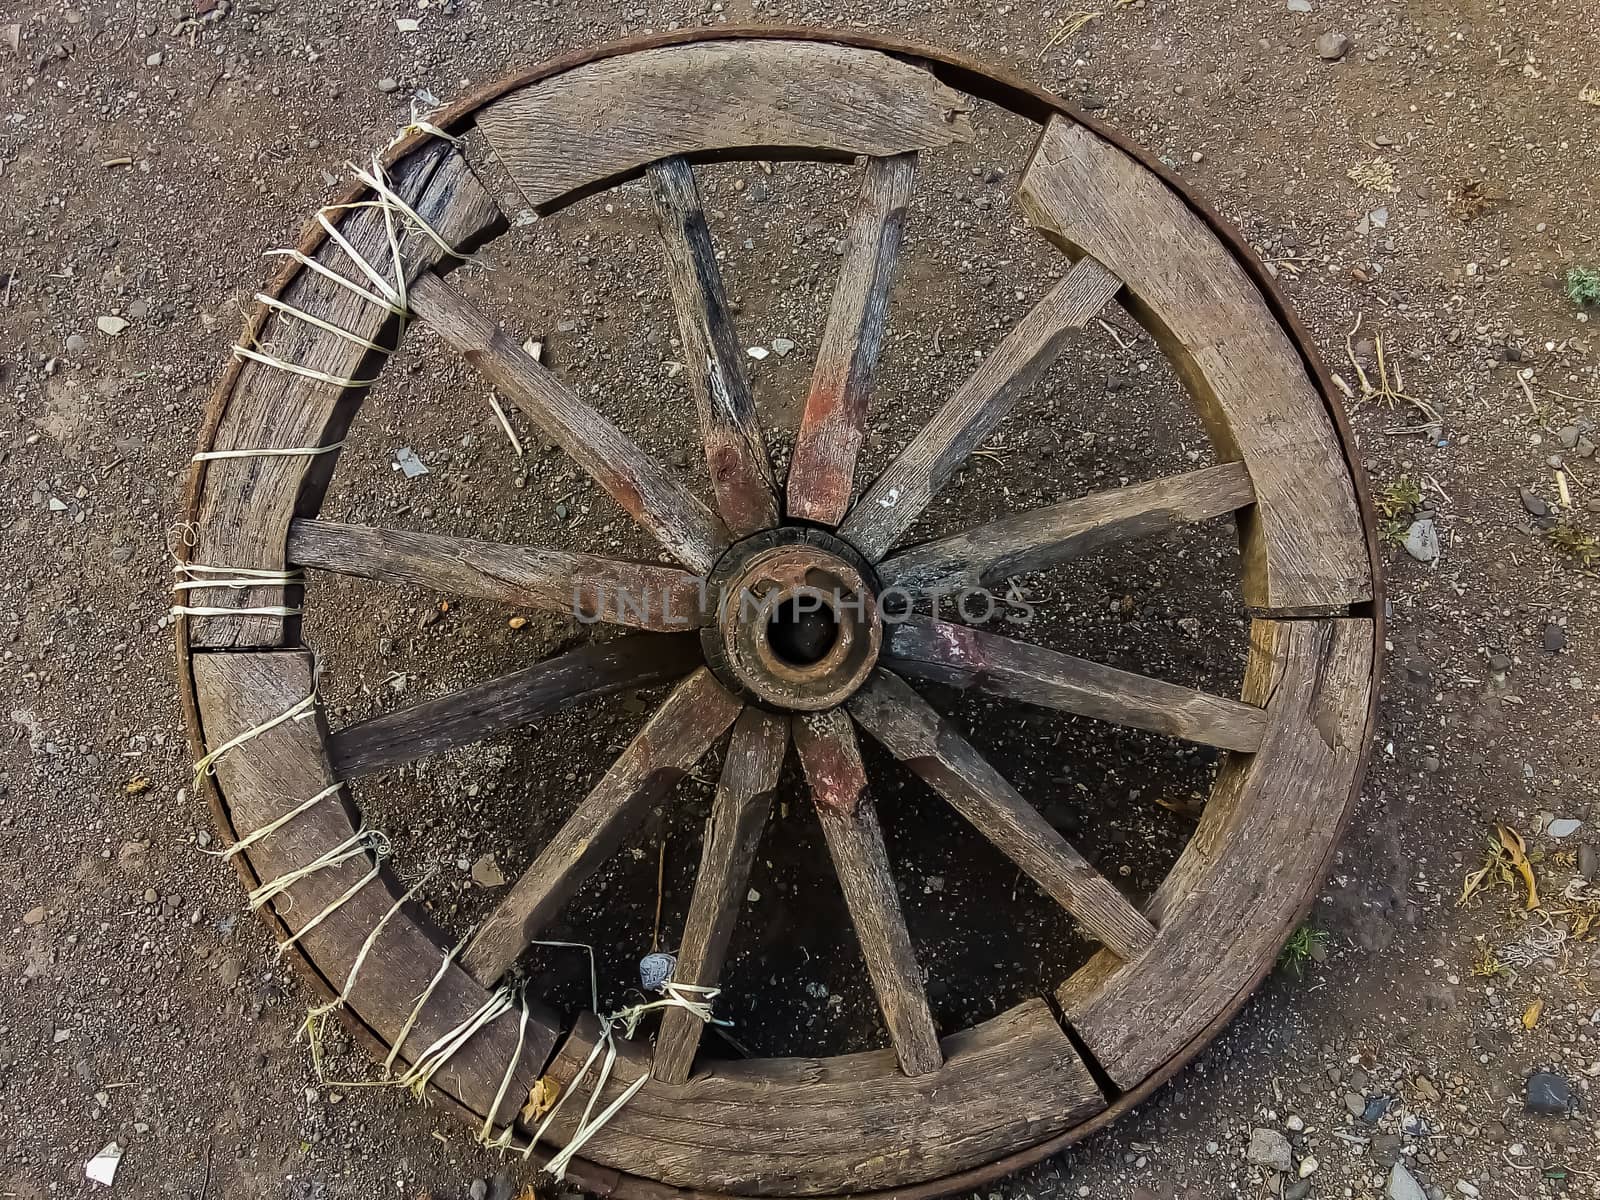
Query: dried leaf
{"x": 1530, "y": 1018}
{"x": 1517, "y": 849}
{"x": 542, "y": 1098}
{"x": 137, "y": 785}
{"x": 1473, "y": 882}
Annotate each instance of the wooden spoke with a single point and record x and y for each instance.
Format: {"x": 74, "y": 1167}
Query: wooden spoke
{"x": 906, "y": 488}
{"x": 672, "y": 741}
{"x": 586, "y": 586}
{"x": 913, "y": 732}
{"x": 636, "y": 481}
{"x": 832, "y": 763}
{"x": 741, "y": 476}
{"x": 968, "y": 658}
{"x": 1033, "y": 541}
{"x": 485, "y": 709}
{"x": 822, "y": 471}
{"x": 738, "y": 815}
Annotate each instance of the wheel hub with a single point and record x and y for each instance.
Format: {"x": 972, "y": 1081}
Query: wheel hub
{"x": 797, "y": 624}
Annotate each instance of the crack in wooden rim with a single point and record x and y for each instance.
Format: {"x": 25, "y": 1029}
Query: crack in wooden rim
{"x": 1024, "y": 99}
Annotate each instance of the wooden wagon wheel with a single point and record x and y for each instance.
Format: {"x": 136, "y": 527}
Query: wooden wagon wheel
{"x": 928, "y": 1113}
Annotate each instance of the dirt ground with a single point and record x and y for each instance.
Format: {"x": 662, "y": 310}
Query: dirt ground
{"x": 1437, "y": 179}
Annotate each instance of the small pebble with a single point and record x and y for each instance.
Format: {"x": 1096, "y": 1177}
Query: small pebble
{"x": 1422, "y": 541}
{"x": 1331, "y": 46}
{"x": 1270, "y": 1149}
{"x": 389, "y": 85}
{"x": 1549, "y": 1095}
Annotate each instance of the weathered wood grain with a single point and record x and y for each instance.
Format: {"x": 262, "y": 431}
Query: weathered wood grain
{"x": 1046, "y": 537}
{"x": 822, "y": 469}
{"x": 245, "y": 504}
{"x": 507, "y": 701}
{"x": 964, "y": 657}
{"x": 741, "y": 475}
{"x": 1221, "y": 913}
{"x": 738, "y": 815}
{"x": 908, "y": 485}
{"x": 846, "y": 1125}
{"x": 913, "y": 732}
{"x": 271, "y": 774}
{"x": 1302, "y": 543}
{"x": 696, "y": 713}
{"x": 659, "y": 503}
{"x": 592, "y": 588}
{"x": 838, "y": 781}
{"x": 603, "y": 122}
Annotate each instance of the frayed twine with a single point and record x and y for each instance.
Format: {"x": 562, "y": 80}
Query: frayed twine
{"x": 317, "y": 1018}
{"x": 300, "y": 711}
{"x": 236, "y": 578}
{"x": 272, "y": 827}
{"x": 384, "y": 292}
{"x": 692, "y": 998}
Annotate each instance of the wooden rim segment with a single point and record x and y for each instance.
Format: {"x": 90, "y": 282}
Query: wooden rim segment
{"x": 927, "y": 1114}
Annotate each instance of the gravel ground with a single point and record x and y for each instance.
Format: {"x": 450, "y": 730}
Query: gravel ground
{"x": 1428, "y": 168}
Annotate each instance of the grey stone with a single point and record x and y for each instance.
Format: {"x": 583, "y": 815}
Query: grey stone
{"x": 1385, "y": 1149}
{"x": 1549, "y": 1094}
{"x": 1402, "y": 1186}
{"x": 1555, "y": 638}
{"x": 1298, "y": 6}
{"x": 1376, "y": 1107}
{"x": 1563, "y": 827}
{"x": 76, "y": 343}
{"x": 1535, "y": 506}
{"x": 1332, "y": 46}
{"x": 408, "y": 462}
{"x": 655, "y": 970}
{"x": 1422, "y": 541}
{"x": 1270, "y": 1149}
{"x": 1568, "y": 436}
{"x": 389, "y": 85}
{"x": 1589, "y": 862}
{"x": 479, "y": 1189}
{"x": 1355, "y": 1103}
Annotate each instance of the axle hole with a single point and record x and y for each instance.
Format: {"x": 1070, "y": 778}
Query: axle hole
{"x": 801, "y": 634}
